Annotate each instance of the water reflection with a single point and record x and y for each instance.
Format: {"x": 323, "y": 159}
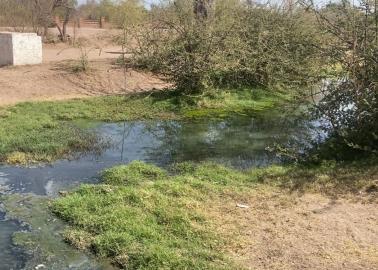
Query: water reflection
{"x": 239, "y": 142}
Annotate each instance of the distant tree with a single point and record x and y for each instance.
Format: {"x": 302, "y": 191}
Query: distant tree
{"x": 66, "y": 8}
{"x": 128, "y": 13}
{"x": 107, "y": 9}
{"x": 38, "y": 14}
{"x": 18, "y": 14}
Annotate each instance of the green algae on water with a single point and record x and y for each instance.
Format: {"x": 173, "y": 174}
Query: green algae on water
{"x": 43, "y": 241}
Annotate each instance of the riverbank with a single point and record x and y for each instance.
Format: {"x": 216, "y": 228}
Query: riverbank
{"x": 188, "y": 215}
{"x": 47, "y": 131}
{"x": 211, "y": 217}
{"x": 206, "y": 216}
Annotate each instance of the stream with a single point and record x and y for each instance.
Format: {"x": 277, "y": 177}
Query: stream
{"x": 239, "y": 142}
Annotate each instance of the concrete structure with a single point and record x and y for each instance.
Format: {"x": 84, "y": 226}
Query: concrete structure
{"x": 20, "y": 49}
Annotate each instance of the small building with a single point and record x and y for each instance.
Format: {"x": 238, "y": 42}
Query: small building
{"x": 20, "y": 49}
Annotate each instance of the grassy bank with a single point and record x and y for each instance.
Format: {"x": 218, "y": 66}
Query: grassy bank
{"x": 142, "y": 217}
{"x": 45, "y": 131}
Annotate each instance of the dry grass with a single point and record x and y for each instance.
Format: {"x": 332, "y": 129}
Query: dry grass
{"x": 282, "y": 230}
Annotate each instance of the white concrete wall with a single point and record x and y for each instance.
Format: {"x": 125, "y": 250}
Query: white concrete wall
{"x": 23, "y": 49}
{"x": 6, "y": 49}
{"x": 27, "y": 49}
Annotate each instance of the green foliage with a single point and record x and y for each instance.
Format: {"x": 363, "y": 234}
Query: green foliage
{"x": 218, "y": 175}
{"x": 350, "y": 102}
{"x": 235, "y": 45}
{"x": 38, "y": 137}
{"x": 276, "y": 48}
{"x": 128, "y": 13}
{"x": 121, "y": 14}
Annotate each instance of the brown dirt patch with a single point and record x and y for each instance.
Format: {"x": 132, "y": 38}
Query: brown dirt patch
{"x": 61, "y": 52}
{"x": 56, "y": 81}
{"x": 95, "y": 42}
{"x": 281, "y": 231}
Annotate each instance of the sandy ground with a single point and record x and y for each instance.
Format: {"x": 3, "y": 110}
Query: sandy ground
{"x": 61, "y": 52}
{"x": 96, "y": 43}
{"x": 281, "y": 231}
{"x": 56, "y": 81}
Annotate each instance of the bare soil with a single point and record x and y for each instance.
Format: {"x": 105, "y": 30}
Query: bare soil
{"x": 61, "y": 52}
{"x": 96, "y": 43}
{"x": 288, "y": 231}
{"x": 57, "y": 81}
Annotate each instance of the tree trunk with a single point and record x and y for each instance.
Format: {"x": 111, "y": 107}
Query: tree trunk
{"x": 60, "y": 30}
{"x": 201, "y": 8}
{"x": 65, "y": 22}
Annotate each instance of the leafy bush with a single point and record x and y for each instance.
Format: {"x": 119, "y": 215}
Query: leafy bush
{"x": 350, "y": 102}
{"x": 234, "y": 45}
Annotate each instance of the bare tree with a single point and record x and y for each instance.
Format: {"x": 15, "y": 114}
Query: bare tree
{"x": 68, "y": 7}
{"x": 37, "y": 14}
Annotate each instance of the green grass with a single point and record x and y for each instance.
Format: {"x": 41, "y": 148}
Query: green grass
{"x": 240, "y": 101}
{"x": 143, "y": 217}
{"x": 330, "y": 178}
{"x": 46, "y": 131}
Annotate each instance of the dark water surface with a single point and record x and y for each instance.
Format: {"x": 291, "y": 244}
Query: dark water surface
{"x": 10, "y": 257}
{"x": 239, "y": 141}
